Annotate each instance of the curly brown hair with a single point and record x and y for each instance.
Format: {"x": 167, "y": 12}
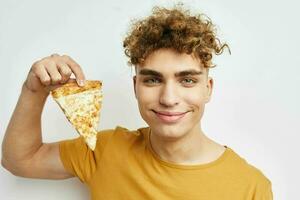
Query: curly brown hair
{"x": 173, "y": 28}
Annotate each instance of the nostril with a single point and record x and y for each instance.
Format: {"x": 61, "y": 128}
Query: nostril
{"x": 168, "y": 103}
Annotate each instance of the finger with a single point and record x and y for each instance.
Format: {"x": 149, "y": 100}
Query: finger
{"x": 42, "y": 74}
{"x": 53, "y": 87}
{"x": 54, "y": 55}
{"x": 76, "y": 69}
{"x": 65, "y": 71}
{"x": 53, "y": 72}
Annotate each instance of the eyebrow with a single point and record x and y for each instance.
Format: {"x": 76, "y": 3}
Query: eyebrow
{"x": 191, "y": 72}
{"x": 147, "y": 72}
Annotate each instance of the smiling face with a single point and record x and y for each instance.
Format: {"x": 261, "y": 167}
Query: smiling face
{"x": 172, "y": 90}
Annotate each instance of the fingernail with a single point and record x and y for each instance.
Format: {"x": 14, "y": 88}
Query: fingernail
{"x": 81, "y": 82}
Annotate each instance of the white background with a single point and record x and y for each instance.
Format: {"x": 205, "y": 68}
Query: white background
{"x": 255, "y": 106}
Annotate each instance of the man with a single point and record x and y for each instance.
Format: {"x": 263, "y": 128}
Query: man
{"x": 173, "y": 158}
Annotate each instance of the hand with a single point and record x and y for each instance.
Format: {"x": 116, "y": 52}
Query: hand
{"x": 51, "y": 72}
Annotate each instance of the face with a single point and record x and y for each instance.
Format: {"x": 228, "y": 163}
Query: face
{"x": 172, "y": 90}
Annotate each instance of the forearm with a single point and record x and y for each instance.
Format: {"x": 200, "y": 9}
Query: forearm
{"x": 23, "y": 135}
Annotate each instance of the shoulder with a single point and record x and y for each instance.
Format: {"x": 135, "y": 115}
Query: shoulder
{"x": 123, "y": 135}
{"x": 122, "y": 131}
{"x": 246, "y": 171}
{"x": 126, "y": 135}
{"x": 117, "y": 134}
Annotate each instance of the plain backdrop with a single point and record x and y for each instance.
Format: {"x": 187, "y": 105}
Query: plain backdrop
{"x": 255, "y": 105}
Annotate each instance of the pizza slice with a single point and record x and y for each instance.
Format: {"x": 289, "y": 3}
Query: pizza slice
{"x": 81, "y": 105}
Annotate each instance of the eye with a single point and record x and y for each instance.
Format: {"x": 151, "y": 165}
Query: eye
{"x": 151, "y": 81}
{"x": 188, "y": 81}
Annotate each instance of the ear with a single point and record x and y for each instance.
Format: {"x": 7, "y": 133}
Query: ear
{"x": 134, "y": 85}
{"x": 209, "y": 85}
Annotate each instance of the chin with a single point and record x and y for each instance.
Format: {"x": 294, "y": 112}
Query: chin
{"x": 169, "y": 132}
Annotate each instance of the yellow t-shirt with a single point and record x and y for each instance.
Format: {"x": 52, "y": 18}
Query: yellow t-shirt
{"x": 123, "y": 166}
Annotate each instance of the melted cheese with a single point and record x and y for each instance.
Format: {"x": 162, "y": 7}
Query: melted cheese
{"x": 83, "y": 110}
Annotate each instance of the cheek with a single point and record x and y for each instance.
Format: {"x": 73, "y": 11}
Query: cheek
{"x": 196, "y": 97}
{"x": 145, "y": 95}
{"x": 196, "y": 102}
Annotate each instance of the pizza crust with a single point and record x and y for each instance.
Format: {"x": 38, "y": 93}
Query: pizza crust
{"x": 73, "y": 88}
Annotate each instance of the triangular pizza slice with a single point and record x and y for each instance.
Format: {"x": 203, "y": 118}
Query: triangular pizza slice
{"x": 81, "y": 105}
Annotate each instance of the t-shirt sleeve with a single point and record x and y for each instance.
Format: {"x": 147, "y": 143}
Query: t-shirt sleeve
{"x": 78, "y": 159}
{"x": 264, "y": 190}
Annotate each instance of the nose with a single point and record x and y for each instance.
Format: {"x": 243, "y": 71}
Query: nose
{"x": 168, "y": 95}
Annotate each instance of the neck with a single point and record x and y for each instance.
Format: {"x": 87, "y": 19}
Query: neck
{"x": 193, "y": 147}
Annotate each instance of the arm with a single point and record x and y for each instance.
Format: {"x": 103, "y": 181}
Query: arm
{"x": 23, "y": 151}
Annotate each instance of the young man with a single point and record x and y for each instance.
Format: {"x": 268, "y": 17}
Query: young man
{"x": 173, "y": 158}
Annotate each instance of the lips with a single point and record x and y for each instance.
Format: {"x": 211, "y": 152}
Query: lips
{"x": 169, "y": 117}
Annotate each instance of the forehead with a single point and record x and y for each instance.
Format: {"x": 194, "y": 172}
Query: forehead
{"x": 168, "y": 61}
